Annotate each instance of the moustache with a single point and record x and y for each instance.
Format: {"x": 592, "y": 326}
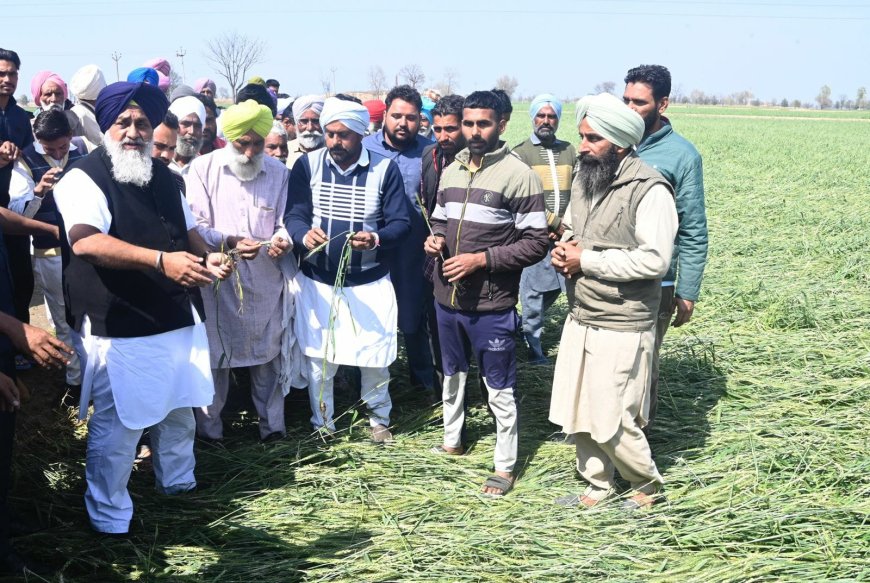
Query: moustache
{"x": 134, "y": 142}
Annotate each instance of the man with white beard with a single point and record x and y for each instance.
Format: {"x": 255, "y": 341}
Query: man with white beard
{"x": 309, "y": 133}
{"x": 238, "y": 196}
{"x": 132, "y": 262}
{"x": 191, "y": 119}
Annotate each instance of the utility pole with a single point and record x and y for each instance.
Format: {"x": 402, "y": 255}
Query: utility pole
{"x": 116, "y": 56}
{"x": 180, "y": 54}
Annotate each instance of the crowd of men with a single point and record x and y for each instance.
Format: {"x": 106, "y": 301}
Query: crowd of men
{"x": 174, "y": 241}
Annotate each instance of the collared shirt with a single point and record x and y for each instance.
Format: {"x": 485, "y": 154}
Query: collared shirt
{"x": 251, "y": 325}
{"x": 367, "y": 196}
{"x": 409, "y": 160}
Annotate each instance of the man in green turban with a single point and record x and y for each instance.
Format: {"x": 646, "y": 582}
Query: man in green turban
{"x": 620, "y": 228}
{"x": 238, "y": 196}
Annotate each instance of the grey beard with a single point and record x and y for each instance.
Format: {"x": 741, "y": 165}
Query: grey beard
{"x": 596, "y": 174}
{"x": 310, "y": 140}
{"x": 129, "y": 166}
{"x": 241, "y": 166}
{"x": 187, "y": 147}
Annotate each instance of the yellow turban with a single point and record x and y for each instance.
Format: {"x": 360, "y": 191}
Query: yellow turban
{"x": 243, "y": 117}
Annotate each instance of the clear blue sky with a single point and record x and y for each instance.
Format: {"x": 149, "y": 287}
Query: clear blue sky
{"x": 774, "y": 48}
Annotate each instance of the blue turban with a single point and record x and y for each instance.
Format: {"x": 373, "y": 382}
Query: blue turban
{"x": 428, "y": 106}
{"x": 542, "y": 100}
{"x": 115, "y": 98}
{"x": 143, "y": 75}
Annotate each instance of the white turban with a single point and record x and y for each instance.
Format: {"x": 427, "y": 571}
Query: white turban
{"x": 306, "y": 102}
{"x": 282, "y": 104}
{"x": 352, "y": 114}
{"x": 614, "y": 120}
{"x": 87, "y": 83}
{"x": 184, "y": 106}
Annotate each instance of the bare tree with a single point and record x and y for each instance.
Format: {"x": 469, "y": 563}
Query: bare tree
{"x": 507, "y": 84}
{"x": 223, "y": 93}
{"x": 861, "y": 98}
{"x": 174, "y": 81}
{"x": 451, "y": 77}
{"x": 605, "y": 87}
{"x": 377, "y": 80}
{"x": 232, "y": 54}
{"x": 326, "y": 83}
{"x": 413, "y": 75}
{"x": 824, "y": 97}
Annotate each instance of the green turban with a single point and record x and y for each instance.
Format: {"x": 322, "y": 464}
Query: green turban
{"x": 239, "y": 119}
{"x": 613, "y": 119}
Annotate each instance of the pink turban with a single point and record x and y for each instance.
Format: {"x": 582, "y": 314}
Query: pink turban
{"x": 161, "y": 65}
{"x": 163, "y": 69}
{"x": 202, "y": 83}
{"x": 41, "y": 79}
{"x": 163, "y": 82}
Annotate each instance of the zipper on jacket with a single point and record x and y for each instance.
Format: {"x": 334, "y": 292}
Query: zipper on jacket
{"x": 459, "y": 228}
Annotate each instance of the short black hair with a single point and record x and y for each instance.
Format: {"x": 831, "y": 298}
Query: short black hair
{"x": 449, "y": 105}
{"x": 484, "y": 100}
{"x": 656, "y": 76}
{"x": 507, "y": 106}
{"x": 346, "y": 97}
{"x": 51, "y": 124}
{"x": 288, "y": 113}
{"x": 170, "y": 120}
{"x": 259, "y": 94}
{"x": 405, "y": 93}
{"x": 272, "y": 83}
{"x": 11, "y": 56}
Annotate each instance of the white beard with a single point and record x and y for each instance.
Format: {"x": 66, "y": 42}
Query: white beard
{"x": 188, "y": 147}
{"x": 241, "y": 166}
{"x": 310, "y": 140}
{"x": 129, "y": 166}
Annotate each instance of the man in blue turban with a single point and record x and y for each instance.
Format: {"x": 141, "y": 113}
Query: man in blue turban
{"x": 553, "y": 161}
{"x": 132, "y": 262}
{"x": 144, "y": 75}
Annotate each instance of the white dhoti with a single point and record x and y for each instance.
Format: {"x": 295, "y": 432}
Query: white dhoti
{"x": 601, "y": 394}
{"x": 363, "y": 334}
{"x": 150, "y": 381}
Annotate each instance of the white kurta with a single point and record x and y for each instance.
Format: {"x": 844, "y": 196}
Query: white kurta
{"x": 149, "y": 375}
{"x": 364, "y": 329}
{"x": 601, "y": 373}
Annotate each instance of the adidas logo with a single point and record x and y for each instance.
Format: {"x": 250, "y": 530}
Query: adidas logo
{"x": 497, "y": 344}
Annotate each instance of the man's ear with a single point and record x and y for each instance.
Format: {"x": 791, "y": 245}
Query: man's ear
{"x": 663, "y": 104}
{"x": 502, "y": 126}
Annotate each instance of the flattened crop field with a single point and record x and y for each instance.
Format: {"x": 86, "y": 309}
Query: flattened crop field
{"x": 763, "y": 433}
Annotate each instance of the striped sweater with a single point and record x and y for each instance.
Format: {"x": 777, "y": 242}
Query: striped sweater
{"x": 497, "y": 210}
{"x": 369, "y": 196}
{"x": 555, "y": 167}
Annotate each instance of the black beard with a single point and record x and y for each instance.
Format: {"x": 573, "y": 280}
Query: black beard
{"x": 596, "y": 173}
{"x": 401, "y": 144}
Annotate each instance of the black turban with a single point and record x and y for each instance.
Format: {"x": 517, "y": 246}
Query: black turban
{"x": 115, "y": 98}
{"x": 259, "y": 94}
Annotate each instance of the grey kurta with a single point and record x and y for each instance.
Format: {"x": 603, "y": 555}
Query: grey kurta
{"x": 242, "y": 332}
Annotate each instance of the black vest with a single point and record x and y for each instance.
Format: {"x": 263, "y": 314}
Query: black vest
{"x": 47, "y": 212}
{"x": 125, "y": 303}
